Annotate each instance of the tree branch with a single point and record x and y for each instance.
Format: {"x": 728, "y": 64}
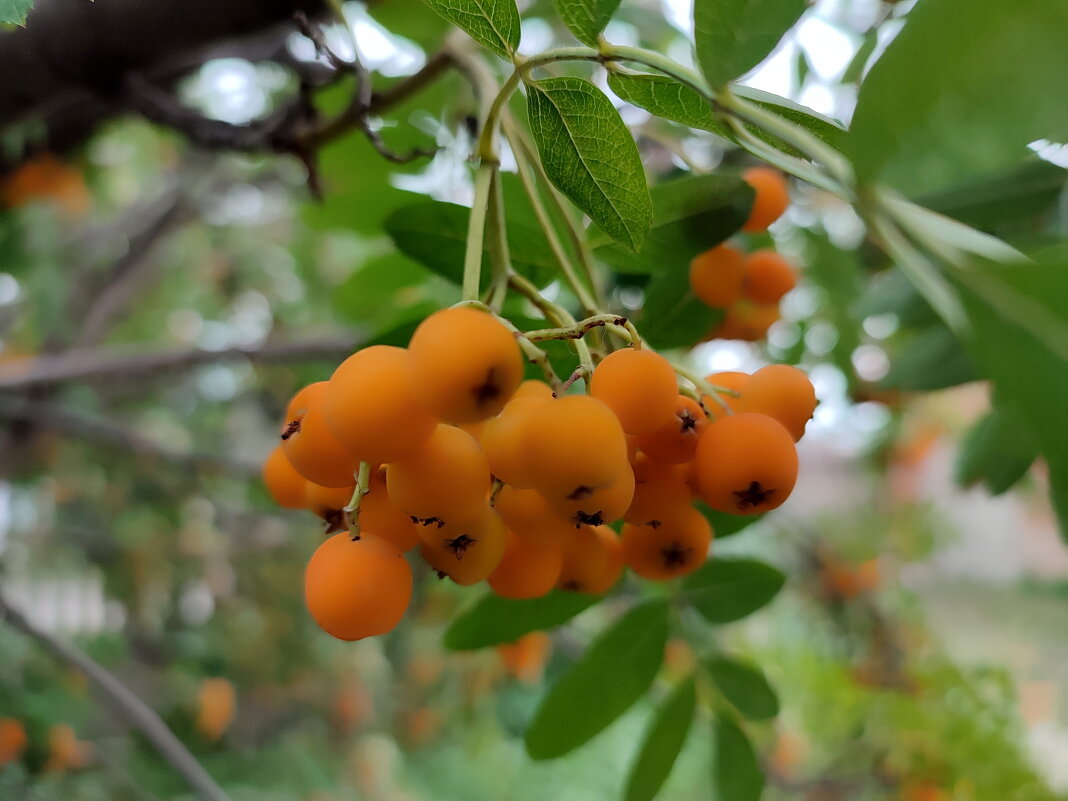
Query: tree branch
{"x": 125, "y": 702}
{"x": 95, "y": 364}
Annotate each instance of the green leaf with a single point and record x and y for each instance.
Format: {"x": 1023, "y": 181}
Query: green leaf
{"x": 726, "y": 525}
{"x": 586, "y": 18}
{"x": 736, "y": 773}
{"x": 986, "y": 85}
{"x": 615, "y": 671}
{"x": 927, "y": 360}
{"x": 665, "y": 97}
{"x": 434, "y": 233}
{"x": 724, "y": 590}
{"x": 1016, "y": 314}
{"x": 13, "y": 12}
{"x": 493, "y": 620}
{"x": 588, "y": 153}
{"x": 733, "y": 36}
{"x": 745, "y": 686}
{"x": 995, "y": 452}
{"x": 663, "y": 741}
{"x": 491, "y": 23}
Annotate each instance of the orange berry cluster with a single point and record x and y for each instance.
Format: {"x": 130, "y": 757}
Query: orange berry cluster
{"x": 749, "y": 286}
{"x": 497, "y": 479}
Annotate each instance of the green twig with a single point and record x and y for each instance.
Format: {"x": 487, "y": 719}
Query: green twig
{"x": 476, "y": 229}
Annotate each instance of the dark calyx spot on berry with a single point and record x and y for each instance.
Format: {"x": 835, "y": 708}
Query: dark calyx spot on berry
{"x": 581, "y": 518}
{"x": 292, "y": 427}
{"x": 572, "y": 585}
{"x": 752, "y": 496}
{"x": 442, "y": 575}
{"x": 653, "y": 524}
{"x": 687, "y": 422}
{"x": 334, "y": 520}
{"x": 427, "y": 521}
{"x": 675, "y": 556}
{"x": 580, "y": 492}
{"x": 489, "y": 390}
{"x": 459, "y": 545}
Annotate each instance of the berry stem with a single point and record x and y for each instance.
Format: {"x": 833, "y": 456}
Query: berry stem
{"x": 500, "y": 259}
{"x": 476, "y": 229}
{"x": 352, "y": 510}
{"x": 554, "y": 313}
{"x": 705, "y": 388}
{"x": 619, "y": 324}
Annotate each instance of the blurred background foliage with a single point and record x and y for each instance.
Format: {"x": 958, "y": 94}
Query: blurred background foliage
{"x": 917, "y": 650}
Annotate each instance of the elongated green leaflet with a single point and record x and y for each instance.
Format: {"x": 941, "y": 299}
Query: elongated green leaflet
{"x": 663, "y": 741}
{"x": 745, "y": 686}
{"x": 730, "y": 589}
{"x": 736, "y": 773}
{"x": 733, "y": 36}
{"x": 586, "y": 18}
{"x": 493, "y": 619}
{"x": 491, "y": 23}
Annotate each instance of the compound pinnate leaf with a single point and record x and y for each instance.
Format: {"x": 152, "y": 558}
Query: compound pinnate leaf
{"x": 954, "y": 75}
{"x": 745, "y": 686}
{"x": 615, "y": 671}
{"x": 736, "y": 773}
{"x": 492, "y": 23}
{"x": 733, "y": 36}
{"x": 589, "y": 154}
{"x": 586, "y": 18}
{"x": 663, "y": 741}
{"x": 730, "y": 589}
{"x": 493, "y": 619}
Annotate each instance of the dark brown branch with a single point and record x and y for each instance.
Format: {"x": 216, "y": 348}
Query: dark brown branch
{"x": 117, "y": 435}
{"x": 96, "y": 364}
{"x": 125, "y": 702}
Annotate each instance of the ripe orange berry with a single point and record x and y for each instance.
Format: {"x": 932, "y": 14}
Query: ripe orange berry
{"x": 768, "y": 276}
{"x": 465, "y": 364}
{"x": 329, "y": 503}
{"x": 528, "y": 569}
{"x": 527, "y": 514}
{"x": 285, "y": 484}
{"x": 12, "y": 740}
{"x": 532, "y": 388}
{"x": 772, "y": 198}
{"x": 371, "y": 406}
{"x": 676, "y": 441}
{"x": 468, "y": 552}
{"x": 783, "y": 392}
{"x": 745, "y": 464}
{"x": 716, "y": 276}
{"x": 526, "y": 657}
{"x": 674, "y": 548}
{"x": 312, "y": 448}
{"x": 595, "y": 506}
{"x": 660, "y": 492}
{"x": 444, "y": 479}
{"x": 747, "y": 321}
{"x": 729, "y": 379}
{"x": 573, "y": 444}
{"x": 504, "y": 441}
{"x": 357, "y": 589}
{"x": 65, "y": 750}
{"x": 381, "y": 517}
{"x": 593, "y": 560}
{"x": 639, "y": 386}
{"x": 216, "y": 702}
{"x": 302, "y": 401}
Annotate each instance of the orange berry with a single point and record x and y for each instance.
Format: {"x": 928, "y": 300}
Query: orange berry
{"x": 216, "y": 702}
{"x": 660, "y": 492}
{"x": 65, "y": 750}
{"x": 526, "y": 657}
{"x": 468, "y": 552}
{"x": 593, "y": 560}
{"x": 768, "y": 276}
{"x": 302, "y": 401}
{"x": 465, "y": 363}
{"x": 444, "y": 479}
{"x": 729, "y": 379}
{"x": 528, "y": 569}
{"x": 329, "y": 503}
{"x": 357, "y": 589}
{"x": 674, "y": 548}
{"x": 747, "y": 321}
{"x": 504, "y": 441}
{"x": 595, "y": 506}
{"x": 639, "y": 386}
{"x": 783, "y": 392}
{"x": 745, "y": 464}
{"x": 772, "y": 198}
{"x": 675, "y": 441}
{"x": 532, "y": 388}
{"x": 716, "y": 276}
{"x": 572, "y": 443}
{"x": 527, "y": 514}
{"x": 311, "y": 447}
{"x": 12, "y": 740}
{"x": 381, "y": 517}
{"x": 285, "y": 484}
{"x": 371, "y": 406}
